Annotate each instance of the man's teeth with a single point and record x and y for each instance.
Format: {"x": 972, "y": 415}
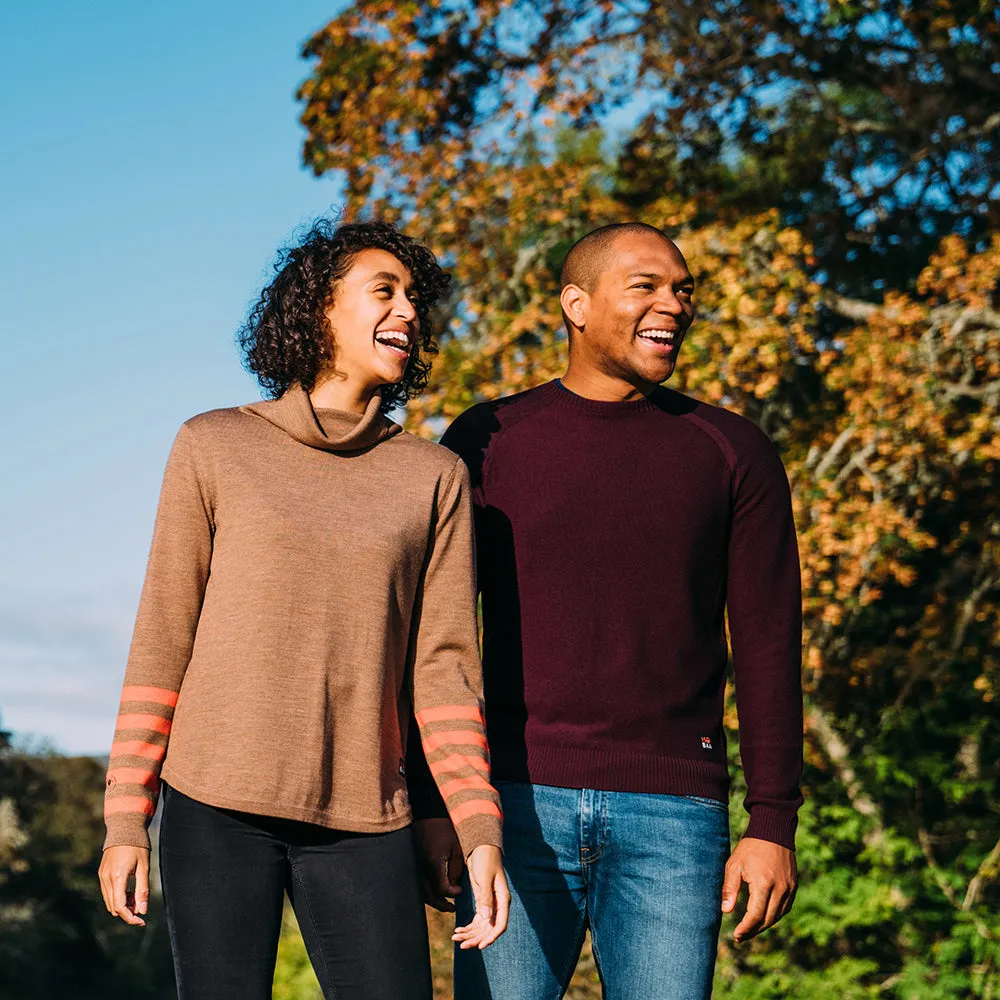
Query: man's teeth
{"x": 666, "y": 336}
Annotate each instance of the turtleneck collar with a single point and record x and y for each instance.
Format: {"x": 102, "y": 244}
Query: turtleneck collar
{"x": 329, "y": 430}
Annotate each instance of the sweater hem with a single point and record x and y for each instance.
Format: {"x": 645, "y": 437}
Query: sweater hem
{"x": 611, "y": 771}
{"x": 277, "y": 810}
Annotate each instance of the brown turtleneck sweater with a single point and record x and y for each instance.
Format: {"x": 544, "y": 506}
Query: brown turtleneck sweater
{"x": 310, "y": 577}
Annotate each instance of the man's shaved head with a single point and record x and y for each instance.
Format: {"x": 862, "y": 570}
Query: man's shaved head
{"x": 627, "y": 301}
{"x": 588, "y": 257}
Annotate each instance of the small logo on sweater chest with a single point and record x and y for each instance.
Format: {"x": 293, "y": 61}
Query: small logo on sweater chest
{"x": 706, "y": 743}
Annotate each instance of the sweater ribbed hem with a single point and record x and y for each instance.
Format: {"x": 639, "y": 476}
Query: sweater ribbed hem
{"x": 330, "y": 819}
{"x": 611, "y": 771}
{"x": 647, "y": 773}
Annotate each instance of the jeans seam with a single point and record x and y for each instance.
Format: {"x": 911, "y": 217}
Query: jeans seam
{"x": 593, "y": 821}
{"x": 315, "y": 929}
{"x": 597, "y": 958}
{"x": 605, "y": 820}
{"x": 570, "y": 965}
{"x": 168, "y": 903}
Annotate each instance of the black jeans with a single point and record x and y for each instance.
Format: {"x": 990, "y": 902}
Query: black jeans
{"x": 356, "y": 896}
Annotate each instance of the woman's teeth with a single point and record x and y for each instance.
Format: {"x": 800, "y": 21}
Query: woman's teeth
{"x": 393, "y": 338}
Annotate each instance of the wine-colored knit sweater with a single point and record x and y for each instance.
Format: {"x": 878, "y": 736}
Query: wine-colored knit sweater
{"x": 310, "y": 584}
{"x": 612, "y": 537}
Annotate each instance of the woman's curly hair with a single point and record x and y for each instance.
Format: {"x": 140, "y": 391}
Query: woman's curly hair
{"x": 287, "y": 338}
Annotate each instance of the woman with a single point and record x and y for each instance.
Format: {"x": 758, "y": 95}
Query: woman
{"x": 310, "y": 585}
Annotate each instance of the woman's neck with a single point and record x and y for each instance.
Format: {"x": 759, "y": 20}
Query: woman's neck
{"x": 340, "y": 393}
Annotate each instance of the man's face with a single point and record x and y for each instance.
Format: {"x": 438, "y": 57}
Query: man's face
{"x": 640, "y": 308}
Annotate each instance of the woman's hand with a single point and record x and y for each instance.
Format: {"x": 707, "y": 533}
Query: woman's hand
{"x": 117, "y": 866}
{"x": 489, "y": 887}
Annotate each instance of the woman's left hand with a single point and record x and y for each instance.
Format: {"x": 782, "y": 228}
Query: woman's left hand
{"x": 492, "y": 897}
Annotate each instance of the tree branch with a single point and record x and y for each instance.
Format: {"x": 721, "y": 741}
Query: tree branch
{"x": 835, "y": 449}
{"x": 854, "y": 309}
{"x": 925, "y": 845}
{"x": 986, "y": 872}
{"x": 969, "y": 606}
{"x": 837, "y": 753}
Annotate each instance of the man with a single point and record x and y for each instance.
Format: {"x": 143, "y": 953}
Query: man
{"x": 617, "y": 521}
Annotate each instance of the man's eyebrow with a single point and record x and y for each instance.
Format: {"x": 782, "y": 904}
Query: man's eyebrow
{"x": 687, "y": 280}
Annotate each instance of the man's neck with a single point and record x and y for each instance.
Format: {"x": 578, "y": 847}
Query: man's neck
{"x": 597, "y": 385}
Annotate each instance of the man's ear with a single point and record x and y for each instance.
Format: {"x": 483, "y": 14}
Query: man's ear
{"x": 575, "y": 302}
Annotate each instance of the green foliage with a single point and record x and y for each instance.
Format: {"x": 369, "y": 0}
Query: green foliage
{"x": 294, "y": 978}
{"x": 56, "y": 938}
{"x": 871, "y": 918}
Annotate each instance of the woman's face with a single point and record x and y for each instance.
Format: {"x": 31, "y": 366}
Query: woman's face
{"x": 374, "y": 320}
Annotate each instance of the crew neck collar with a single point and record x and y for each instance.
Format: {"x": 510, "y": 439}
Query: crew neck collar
{"x": 599, "y": 407}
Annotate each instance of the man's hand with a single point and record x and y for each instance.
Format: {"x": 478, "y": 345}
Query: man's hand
{"x": 118, "y": 865}
{"x": 771, "y": 876}
{"x": 441, "y": 863}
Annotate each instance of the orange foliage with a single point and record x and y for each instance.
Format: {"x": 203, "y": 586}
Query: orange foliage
{"x": 889, "y": 425}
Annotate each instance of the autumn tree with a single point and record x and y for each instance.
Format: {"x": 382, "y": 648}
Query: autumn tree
{"x": 486, "y": 131}
{"x": 872, "y": 124}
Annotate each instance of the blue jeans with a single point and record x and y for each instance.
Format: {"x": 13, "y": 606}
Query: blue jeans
{"x": 643, "y": 872}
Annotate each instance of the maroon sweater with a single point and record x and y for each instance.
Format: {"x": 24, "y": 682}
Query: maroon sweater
{"x": 612, "y": 537}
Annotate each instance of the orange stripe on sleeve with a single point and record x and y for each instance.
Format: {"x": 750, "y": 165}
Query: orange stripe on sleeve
{"x": 455, "y": 762}
{"x": 133, "y": 776}
{"x": 449, "y": 713}
{"x": 162, "y": 696}
{"x": 129, "y": 804}
{"x": 473, "y": 782}
{"x": 461, "y": 737}
{"x": 137, "y": 748}
{"x": 156, "y": 723}
{"x": 474, "y": 807}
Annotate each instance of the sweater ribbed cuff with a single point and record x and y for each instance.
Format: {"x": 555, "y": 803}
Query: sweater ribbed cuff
{"x": 127, "y": 831}
{"x": 479, "y": 830}
{"x": 775, "y": 825}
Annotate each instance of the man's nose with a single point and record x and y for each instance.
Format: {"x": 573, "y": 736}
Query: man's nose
{"x": 669, "y": 304}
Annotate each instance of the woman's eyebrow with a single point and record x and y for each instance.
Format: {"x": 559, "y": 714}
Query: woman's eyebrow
{"x": 392, "y": 279}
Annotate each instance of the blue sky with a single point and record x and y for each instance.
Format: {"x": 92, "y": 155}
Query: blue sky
{"x": 150, "y": 169}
